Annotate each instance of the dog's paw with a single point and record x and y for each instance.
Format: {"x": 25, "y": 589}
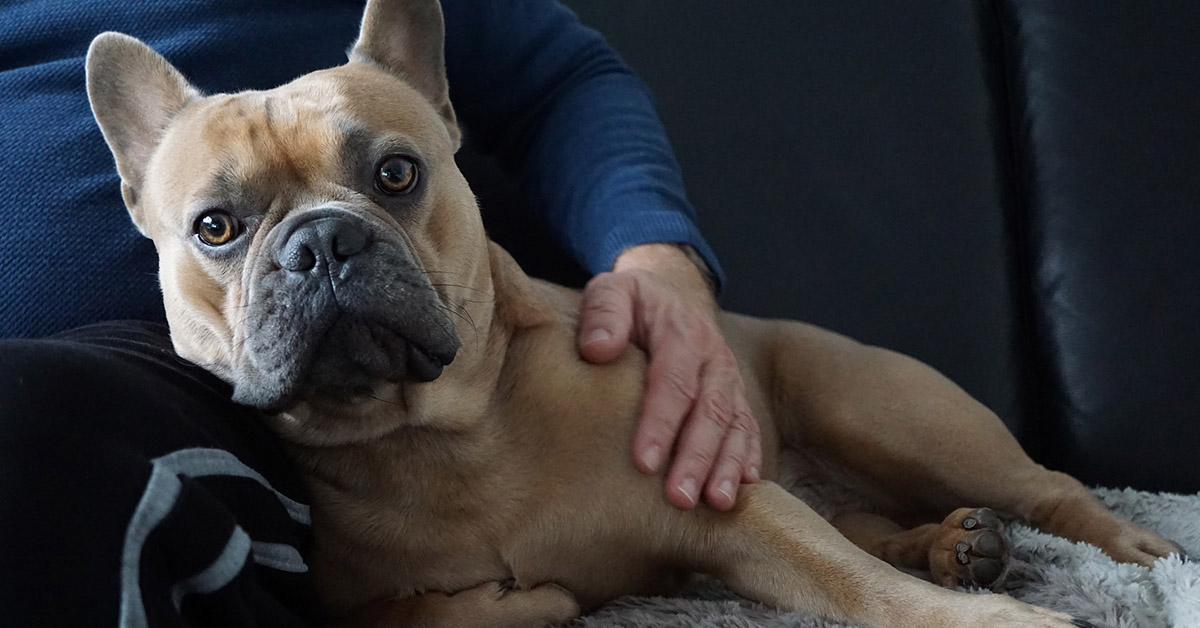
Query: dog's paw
{"x": 1133, "y": 544}
{"x": 970, "y": 551}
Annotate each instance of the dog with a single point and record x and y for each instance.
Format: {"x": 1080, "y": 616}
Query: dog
{"x": 320, "y": 251}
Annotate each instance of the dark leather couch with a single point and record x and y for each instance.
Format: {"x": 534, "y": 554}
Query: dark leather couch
{"x": 1008, "y": 190}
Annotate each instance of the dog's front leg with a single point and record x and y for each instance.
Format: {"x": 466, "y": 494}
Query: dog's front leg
{"x": 489, "y": 605}
{"x": 774, "y": 549}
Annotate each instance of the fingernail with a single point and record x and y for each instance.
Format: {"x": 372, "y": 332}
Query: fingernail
{"x": 754, "y": 473}
{"x": 726, "y": 489}
{"x": 597, "y": 335}
{"x": 688, "y": 488}
{"x": 652, "y": 457}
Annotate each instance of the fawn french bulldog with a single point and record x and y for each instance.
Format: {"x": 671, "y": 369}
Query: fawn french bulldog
{"x": 320, "y": 250}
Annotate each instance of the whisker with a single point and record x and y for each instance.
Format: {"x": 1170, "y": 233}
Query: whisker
{"x": 386, "y": 401}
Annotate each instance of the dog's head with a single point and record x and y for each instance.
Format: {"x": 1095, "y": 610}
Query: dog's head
{"x": 316, "y": 239}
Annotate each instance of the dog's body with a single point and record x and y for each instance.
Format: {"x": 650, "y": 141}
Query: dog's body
{"x": 364, "y": 270}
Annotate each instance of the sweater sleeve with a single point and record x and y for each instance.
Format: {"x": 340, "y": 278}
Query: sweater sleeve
{"x": 567, "y": 117}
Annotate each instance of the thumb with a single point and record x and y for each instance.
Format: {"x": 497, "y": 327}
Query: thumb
{"x": 606, "y": 316}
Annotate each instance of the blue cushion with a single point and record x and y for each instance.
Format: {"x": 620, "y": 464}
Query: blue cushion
{"x": 68, "y": 252}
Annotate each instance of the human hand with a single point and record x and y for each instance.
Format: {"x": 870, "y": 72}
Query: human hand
{"x": 695, "y": 403}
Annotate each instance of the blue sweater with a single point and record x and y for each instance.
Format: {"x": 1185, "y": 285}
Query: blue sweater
{"x": 530, "y": 84}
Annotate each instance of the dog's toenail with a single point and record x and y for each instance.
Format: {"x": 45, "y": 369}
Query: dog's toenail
{"x": 961, "y": 546}
{"x": 1082, "y": 623}
{"x": 970, "y": 523}
{"x": 962, "y": 558}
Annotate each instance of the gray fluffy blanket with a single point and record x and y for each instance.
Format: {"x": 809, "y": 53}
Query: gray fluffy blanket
{"x": 1046, "y": 570}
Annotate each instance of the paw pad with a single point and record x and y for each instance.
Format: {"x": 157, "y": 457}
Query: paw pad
{"x": 979, "y": 549}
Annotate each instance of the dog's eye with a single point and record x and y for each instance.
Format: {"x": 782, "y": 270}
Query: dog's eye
{"x": 396, "y": 175}
{"x": 216, "y": 227}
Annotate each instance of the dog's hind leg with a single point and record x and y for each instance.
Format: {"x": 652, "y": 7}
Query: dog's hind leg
{"x": 773, "y": 548}
{"x": 924, "y": 446}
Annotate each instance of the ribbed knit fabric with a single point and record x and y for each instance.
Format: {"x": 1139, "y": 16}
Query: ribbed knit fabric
{"x": 532, "y": 85}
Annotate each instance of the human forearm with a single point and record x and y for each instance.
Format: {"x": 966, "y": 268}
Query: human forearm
{"x": 562, "y": 112}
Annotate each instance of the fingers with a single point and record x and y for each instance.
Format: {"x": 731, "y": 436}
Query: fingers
{"x": 695, "y": 410}
{"x": 740, "y": 457}
{"x": 672, "y": 386}
{"x": 752, "y": 463}
{"x": 718, "y": 443}
{"x": 606, "y": 316}
{"x": 722, "y": 488}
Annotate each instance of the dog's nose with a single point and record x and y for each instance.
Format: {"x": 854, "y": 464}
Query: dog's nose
{"x": 326, "y": 241}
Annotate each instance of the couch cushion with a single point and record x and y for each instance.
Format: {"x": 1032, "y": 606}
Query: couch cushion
{"x": 1107, "y": 108}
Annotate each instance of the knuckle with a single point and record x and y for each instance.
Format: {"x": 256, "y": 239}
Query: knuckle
{"x": 626, "y": 281}
{"x": 732, "y": 460}
{"x": 716, "y": 410}
{"x": 659, "y": 429}
{"x": 702, "y": 458}
{"x": 605, "y": 286}
{"x": 681, "y": 381}
{"x": 745, "y": 421}
{"x": 623, "y": 282}
{"x": 606, "y": 308}
{"x": 599, "y": 280}
{"x": 723, "y": 358}
{"x": 695, "y": 327}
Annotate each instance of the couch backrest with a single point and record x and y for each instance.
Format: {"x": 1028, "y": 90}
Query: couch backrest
{"x": 1006, "y": 190}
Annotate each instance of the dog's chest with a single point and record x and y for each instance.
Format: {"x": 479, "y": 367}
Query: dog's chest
{"x": 404, "y": 528}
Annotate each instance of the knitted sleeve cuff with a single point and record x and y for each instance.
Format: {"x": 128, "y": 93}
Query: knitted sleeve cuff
{"x": 646, "y": 226}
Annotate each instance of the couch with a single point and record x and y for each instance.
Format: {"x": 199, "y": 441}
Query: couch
{"x": 1008, "y": 190}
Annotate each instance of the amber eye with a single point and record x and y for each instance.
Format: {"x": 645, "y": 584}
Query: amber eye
{"x": 396, "y": 175}
{"x": 216, "y": 227}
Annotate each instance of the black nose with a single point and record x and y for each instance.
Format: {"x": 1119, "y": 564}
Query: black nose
{"x": 326, "y": 241}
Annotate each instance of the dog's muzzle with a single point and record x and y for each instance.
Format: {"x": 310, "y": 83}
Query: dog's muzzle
{"x": 338, "y": 306}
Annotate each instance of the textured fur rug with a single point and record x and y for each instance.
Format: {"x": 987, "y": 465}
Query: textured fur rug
{"x": 1046, "y": 570}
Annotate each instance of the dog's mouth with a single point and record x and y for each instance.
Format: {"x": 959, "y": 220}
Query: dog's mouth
{"x": 341, "y": 335}
{"x": 426, "y": 365}
{"x": 355, "y": 355}
{"x": 355, "y": 350}
{"x": 352, "y": 357}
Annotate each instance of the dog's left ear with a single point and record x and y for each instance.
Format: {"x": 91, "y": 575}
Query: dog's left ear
{"x": 407, "y": 38}
{"x": 134, "y": 93}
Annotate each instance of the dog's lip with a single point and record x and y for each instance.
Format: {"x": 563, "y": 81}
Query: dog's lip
{"x": 424, "y": 360}
{"x": 444, "y": 355}
{"x": 422, "y": 366}
{"x": 425, "y": 363}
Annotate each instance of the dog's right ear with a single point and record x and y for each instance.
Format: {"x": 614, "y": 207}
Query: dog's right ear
{"x": 407, "y": 38}
{"x": 134, "y": 93}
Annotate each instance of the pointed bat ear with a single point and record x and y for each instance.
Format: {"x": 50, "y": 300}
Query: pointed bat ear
{"x": 407, "y": 38}
{"x": 134, "y": 93}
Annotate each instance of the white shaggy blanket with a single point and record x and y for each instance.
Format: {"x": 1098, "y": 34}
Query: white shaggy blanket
{"x": 1048, "y": 571}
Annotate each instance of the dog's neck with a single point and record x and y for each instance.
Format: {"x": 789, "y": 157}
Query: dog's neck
{"x": 496, "y": 301}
